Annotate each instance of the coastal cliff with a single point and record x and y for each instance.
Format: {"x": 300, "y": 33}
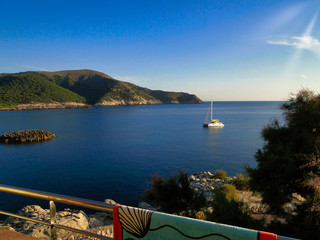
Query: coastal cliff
{"x": 78, "y": 89}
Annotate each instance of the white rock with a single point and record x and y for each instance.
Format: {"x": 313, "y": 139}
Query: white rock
{"x": 110, "y": 201}
{"x": 192, "y": 178}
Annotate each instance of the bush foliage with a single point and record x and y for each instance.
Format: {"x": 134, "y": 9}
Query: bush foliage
{"x": 174, "y": 194}
{"x": 220, "y": 174}
{"x": 289, "y": 162}
{"x": 241, "y": 182}
{"x": 227, "y": 209}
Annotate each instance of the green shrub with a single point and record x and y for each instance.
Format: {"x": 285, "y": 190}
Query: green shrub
{"x": 174, "y": 194}
{"x": 228, "y": 210}
{"x": 220, "y": 174}
{"x": 241, "y": 182}
{"x": 228, "y": 190}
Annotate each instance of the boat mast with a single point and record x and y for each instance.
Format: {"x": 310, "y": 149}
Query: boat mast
{"x": 211, "y": 110}
{"x": 206, "y": 119}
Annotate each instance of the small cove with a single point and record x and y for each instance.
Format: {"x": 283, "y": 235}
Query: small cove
{"x": 112, "y": 152}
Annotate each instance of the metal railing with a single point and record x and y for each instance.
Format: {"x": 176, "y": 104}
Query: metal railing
{"x": 52, "y": 198}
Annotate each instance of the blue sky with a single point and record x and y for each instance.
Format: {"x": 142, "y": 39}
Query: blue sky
{"x": 220, "y": 49}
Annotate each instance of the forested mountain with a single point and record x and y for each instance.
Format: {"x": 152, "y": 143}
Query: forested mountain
{"x": 80, "y": 86}
{"x": 29, "y": 87}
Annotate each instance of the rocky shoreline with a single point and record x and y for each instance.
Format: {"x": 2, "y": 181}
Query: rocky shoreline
{"x": 76, "y": 105}
{"x": 47, "y": 106}
{"x": 127, "y": 103}
{"x": 205, "y": 182}
{"x": 101, "y": 222}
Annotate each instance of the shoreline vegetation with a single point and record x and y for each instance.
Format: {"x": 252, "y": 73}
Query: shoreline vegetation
{"x": 78, "y": 89}
{"x": 219, "y": 198}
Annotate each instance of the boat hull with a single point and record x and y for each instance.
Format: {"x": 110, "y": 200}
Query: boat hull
{"x": 213, "y": 125}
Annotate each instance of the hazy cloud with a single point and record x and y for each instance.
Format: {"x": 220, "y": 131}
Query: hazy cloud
{"x": 282, "y": 42}
{"x": 132, "y": 79}
{"x": 303, "y": 76}
{"x": 127, "y": 78}
{"x": 34, "y": 68}
{"x": 305, "y": 42}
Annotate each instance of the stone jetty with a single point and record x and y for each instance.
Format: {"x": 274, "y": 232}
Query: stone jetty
{"x": 26, "y": 136}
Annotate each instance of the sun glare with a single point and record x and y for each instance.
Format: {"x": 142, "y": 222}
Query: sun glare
{"x": 299, "y": 43}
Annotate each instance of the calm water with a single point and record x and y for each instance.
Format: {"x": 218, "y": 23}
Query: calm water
{"x": 113, "y": 152}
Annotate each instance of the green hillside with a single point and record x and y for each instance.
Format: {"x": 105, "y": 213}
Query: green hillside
{"x": 96, "y": 86}
{"x": 126, "y": 91}
{"x": 30, "y": 87}
{"x": 79, "y": 86}
{"x": 92, "y": 85}
{"x": 172, "y": 97}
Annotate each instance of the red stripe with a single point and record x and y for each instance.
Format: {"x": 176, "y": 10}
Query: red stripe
{"x": 117, "y": 230}
{"x": 267, "y": 236}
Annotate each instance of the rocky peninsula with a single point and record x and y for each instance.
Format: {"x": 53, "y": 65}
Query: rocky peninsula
{"x": 26, "y": 136}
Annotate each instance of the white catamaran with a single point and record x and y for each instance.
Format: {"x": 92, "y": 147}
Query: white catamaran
{"x": 213, "y": 122}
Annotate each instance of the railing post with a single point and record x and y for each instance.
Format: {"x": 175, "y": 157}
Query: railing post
{"x": 53, "y": 219}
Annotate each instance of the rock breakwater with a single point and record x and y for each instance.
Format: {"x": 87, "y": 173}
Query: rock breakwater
{"x": 26, "y": 136}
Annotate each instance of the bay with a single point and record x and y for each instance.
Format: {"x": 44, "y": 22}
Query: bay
{"x": 113, "y": 152}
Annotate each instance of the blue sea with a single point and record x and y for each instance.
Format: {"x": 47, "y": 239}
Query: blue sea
{"x": 113, "y": 152}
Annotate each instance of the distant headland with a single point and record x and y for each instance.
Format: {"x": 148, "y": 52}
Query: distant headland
{"x": 78, "y": 89}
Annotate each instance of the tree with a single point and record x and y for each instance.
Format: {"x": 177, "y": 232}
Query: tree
{"x": 279, "y": 171}
{"x": 174, "y": 194}
{"x": 311, "y": 183}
